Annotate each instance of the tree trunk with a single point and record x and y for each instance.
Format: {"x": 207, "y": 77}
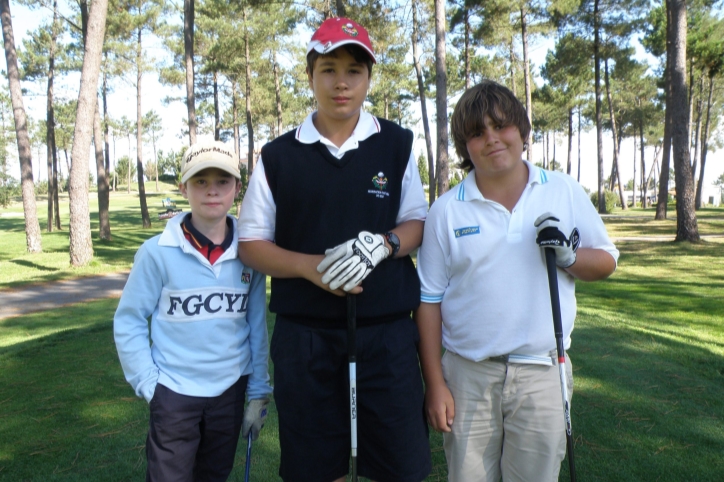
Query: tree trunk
{"x": 104, "y": 223}
{"x": 644, "y": 185}
{"x": 686, "y": 225}
{"x": 423, "y": 107}
{"x": 32, "y": 227}
{"x": 441, "y": 99}
{"x": 697, "y": 130}
{"x": 578, "y": 177}
{"x": 570, "y": 141}
{"x": 467, "y": 48}
{"x": 249, "y": 125}
{"x": 235, "y": 120}
{"x": 139, "y": 134}
{"x": 50, "y": 120}
{"x": 278, "y": 94}
{"x": 526, "y": 71}
{"x": 81, "y": 246}
{"x": 189, "y": 63}
{"x": 599, "y": 122}
{"x": 106, "y": 144}
{"x": 614, "y": 135}
{"x": 512, "y": 68}
{"x": 217, "y": 114}
{"x": 341, "y": 11}
{"x": 705, "y": 142}
{"x": 663, "y": 193}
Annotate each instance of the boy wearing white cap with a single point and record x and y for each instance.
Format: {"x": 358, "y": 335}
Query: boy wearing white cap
{"x": 209, "y": 342}
{"x": 344, "y": 184}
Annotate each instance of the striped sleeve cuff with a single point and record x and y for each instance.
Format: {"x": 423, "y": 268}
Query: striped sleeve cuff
{"x": 431, "y": 297}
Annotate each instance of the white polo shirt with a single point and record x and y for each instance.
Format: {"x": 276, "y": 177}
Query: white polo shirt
{"x": 481, "y": 262}
{"x": 257, "y": 220}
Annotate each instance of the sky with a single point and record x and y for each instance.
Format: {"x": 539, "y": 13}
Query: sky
{"x": 123, "y": 102}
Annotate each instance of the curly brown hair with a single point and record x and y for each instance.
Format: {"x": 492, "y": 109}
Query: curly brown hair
{"x": 486, "y": 98}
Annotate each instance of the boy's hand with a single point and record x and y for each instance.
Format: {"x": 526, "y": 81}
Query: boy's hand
{"x": 350, "y": 262}
{"x": 439, "y": 407}
{"x": 549, "y": 236}
{"x": 254, "y": 417}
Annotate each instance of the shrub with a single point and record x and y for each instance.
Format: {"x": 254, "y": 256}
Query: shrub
{"x": 611, "y": 198}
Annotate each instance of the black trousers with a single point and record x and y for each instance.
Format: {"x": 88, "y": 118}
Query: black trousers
{"x": 194, "y": 438}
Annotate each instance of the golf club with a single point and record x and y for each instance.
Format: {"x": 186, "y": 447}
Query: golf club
{"x": 247, "y": 468}
{"x": 352, "y": 356}
{"x": 558, "y": 328}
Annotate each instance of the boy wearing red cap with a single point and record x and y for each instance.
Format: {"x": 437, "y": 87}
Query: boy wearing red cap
{"x": 330, "y": 204}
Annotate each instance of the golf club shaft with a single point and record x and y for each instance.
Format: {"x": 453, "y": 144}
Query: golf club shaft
{"x": 352, "y": 357}
{"x": 247, "y": 468}
{"x": 558, "y": 329}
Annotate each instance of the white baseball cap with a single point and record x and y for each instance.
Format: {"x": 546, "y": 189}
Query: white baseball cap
{"x": 207, "y": 154}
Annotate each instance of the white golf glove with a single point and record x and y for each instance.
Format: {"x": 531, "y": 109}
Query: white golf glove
{"x": 550, "y": 236}
{"x": 350, "y": 262}
{"x": 254, "y": 417}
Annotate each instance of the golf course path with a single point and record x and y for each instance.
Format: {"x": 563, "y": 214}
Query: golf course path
{"x": 46, "y": 296}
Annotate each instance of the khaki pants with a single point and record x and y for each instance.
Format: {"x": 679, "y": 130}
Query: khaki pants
{"x": 508, "y": 421}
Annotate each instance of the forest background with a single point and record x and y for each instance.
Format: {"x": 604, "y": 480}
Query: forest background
{"x": 579, "y": 67}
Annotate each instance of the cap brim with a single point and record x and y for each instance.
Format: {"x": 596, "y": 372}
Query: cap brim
{"x": 320, "y": 47}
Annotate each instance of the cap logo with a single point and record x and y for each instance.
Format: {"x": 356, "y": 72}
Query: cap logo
{"x": 207, "y": 149}
{"x": 350, "y": 30}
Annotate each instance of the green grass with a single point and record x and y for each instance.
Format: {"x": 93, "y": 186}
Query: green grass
{"x": 647, "y": 353}
{"x": 18, "y": 268}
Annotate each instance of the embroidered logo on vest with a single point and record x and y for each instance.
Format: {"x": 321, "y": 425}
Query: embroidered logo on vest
{"x": 380, "y": 183}
{"x": 245, "y": 277}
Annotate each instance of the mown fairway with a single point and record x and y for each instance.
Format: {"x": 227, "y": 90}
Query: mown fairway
{"x": 648, "y": 355}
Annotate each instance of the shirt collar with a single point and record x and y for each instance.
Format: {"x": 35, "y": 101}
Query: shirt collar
{"x": 198, "y": 240}
{"x": 367, "y": 125}
{"x": 468, "y": 190}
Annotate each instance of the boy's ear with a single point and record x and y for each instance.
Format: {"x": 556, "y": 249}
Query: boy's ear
{"x": 309, "y": 78}
{"x": 182, "y": 188}
{"x": 238, "y": 187}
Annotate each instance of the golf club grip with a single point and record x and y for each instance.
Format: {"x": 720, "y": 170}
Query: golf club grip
{"x": 555, "y": 299}
{"x": 351, "y": 327}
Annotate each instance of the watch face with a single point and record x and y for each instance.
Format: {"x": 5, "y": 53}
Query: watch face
{"x": 394, "y": 242}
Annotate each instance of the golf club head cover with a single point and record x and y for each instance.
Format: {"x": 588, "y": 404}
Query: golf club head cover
{"x": 550, "y": 236}
{"x": 254, "y": 417}
{"x": 350, "y": 262}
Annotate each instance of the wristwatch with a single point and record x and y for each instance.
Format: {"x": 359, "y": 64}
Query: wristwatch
{"x": 393, "y": 241}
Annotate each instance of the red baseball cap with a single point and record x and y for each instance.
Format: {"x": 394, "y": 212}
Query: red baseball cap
{"x": 335, "y": 32}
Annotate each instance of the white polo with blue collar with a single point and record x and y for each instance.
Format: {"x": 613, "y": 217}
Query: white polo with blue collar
{"x": 482, "y": 264}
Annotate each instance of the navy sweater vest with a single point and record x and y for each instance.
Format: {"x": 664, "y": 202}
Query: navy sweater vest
{"x": 322, "y": 201}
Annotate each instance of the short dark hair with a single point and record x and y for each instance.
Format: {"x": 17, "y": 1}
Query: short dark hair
{"x": 487, "y": 98}
{"x": 358, "y": 54}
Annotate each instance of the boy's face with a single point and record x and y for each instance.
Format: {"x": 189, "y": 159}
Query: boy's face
{"x": 497, "y": 150}
{"x": 340, "y": 85}
{"x": 210, "y": 193}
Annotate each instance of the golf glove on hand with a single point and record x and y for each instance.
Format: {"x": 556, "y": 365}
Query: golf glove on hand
{"x": 550, "y": 236}
{"x": 350, "y": 262}
{"x": 254, "y": 417}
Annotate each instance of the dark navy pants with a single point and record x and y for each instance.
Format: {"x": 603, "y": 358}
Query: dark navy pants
{"x": 194, "y": 438}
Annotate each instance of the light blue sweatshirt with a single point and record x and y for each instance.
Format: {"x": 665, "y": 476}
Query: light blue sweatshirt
{"x": 208, "y": 322}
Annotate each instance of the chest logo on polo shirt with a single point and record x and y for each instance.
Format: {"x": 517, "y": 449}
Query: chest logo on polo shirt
{"x": 467, "y": 231}
{"x": 380, "y": 183}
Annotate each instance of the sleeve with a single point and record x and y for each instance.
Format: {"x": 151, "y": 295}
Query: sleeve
{"x": 257, "y": 220}
{"x": 130, "y": 324}
{"x": 590, "y": 225}
{"x": 258, "y": 386}
{"x": 413, "y": 204}
{"x": 433, "y": 257}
